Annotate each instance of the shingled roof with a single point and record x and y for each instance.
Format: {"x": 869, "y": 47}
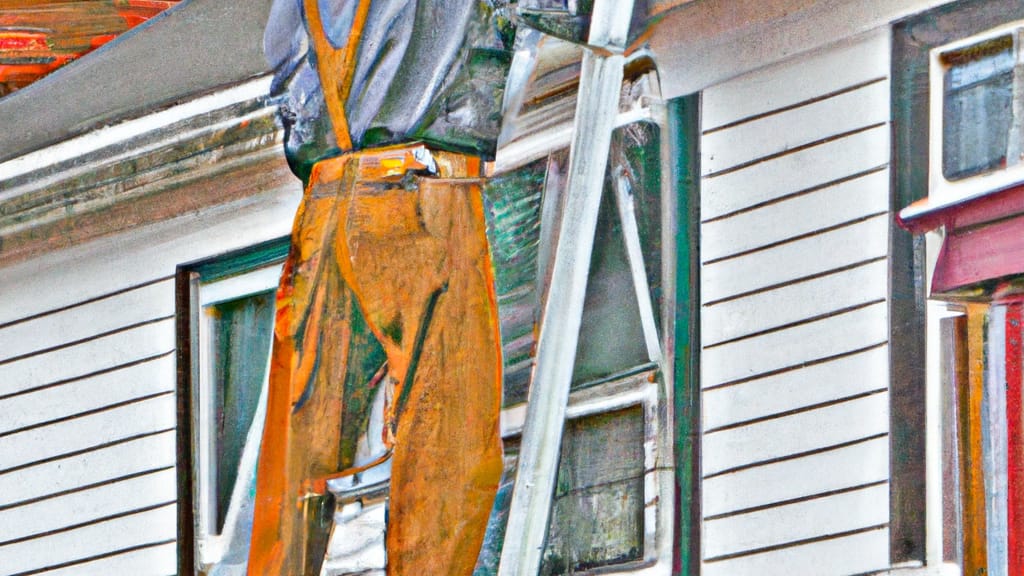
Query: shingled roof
{"x": 39, "y": 36}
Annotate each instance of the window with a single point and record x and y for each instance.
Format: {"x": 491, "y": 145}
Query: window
{"x": 226, "y": 311}
{"x": 616, "y": 430}
{"x": 977, "y": 106}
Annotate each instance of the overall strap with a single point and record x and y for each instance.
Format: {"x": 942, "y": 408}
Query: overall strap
{"x": 335, "y": 66}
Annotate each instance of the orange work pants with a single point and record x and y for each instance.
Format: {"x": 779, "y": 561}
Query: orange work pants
{"x": 409, "y": 251}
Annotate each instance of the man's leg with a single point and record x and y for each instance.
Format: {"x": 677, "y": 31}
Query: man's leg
{"x": 416, "y": 256}
{"x": 302, "y": 436}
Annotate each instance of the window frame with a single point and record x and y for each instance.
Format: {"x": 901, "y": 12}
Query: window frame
{"x": 650, "y": 386}
{"x": 235, "y": 274}
{"x": 940, "y": 189}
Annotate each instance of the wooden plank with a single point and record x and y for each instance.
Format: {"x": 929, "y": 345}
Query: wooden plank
{"x": 796, "y": 127}
{"x": 99, "y": 354}
{"x": 795, "y": 346}
{"x": 795, "y": 81}
{"x": 134, "y": 306}
{"x": 801, "y": 258}
{"x": 793, "y": 173}
{"x": 794, "y": 302}
{"x": 90, "y": 468}
{"x": 797, "y": 216}
{"x": 861, "y": 553}
{"x": 840, "y": 378}
{"x": 979, "y": 254}
{"x": 81, "y": 433}
{"x": 972, "y": 480}
{"x": 87, "y": 394}
{"x": 151, "y": 561}
{"x": 139, "y": 529}
{"x": 109, "y": 264}
{"x": 994, "y": 441}
{"x": 855, "y": 465}
{"x": 87, "y": 505}
{"x": 780, "y": 525}
{"x": 781, "y": 437}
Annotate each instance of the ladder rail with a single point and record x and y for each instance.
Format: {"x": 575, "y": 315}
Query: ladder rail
{"x": 596, "y": 109}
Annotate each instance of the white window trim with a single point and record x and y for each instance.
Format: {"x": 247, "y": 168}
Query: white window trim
{"x": 211, "y": 545}
{"x": 943, "y": 192}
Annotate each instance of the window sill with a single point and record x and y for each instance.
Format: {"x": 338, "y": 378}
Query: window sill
{"x": 941, "y": 570}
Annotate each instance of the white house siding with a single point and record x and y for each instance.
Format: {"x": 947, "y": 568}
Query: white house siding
{"x": 87, "y": 404}
{"x": 794, "y": 316}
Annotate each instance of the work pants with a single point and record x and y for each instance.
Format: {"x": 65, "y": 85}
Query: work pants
{"x": 378, "y": 241}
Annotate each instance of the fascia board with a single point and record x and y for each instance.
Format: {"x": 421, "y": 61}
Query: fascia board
{"x": 700, "y": 44}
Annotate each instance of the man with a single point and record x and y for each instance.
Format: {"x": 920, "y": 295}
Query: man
{"x": 390, "y": 108}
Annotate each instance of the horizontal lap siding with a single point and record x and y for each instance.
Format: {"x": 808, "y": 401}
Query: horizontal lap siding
{"x": 857, "y": 553}
{"x": 88, "y": 479}
{"x": 820, "y": 473}
{"x": 87, "y": 436}
{"x": 794, "y": 316}
{"x": 148, "y": 527}
{"x": 799, "y": 521}
{"x": 138, "y": 560}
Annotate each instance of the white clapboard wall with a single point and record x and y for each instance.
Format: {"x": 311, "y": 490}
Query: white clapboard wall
{"x": 794, "y": 316}
{"x": 87, "y": 403}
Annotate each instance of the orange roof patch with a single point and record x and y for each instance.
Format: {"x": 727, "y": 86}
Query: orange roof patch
{"x": 39, "y": 36}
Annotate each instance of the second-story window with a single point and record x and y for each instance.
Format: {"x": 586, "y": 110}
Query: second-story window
{"x": 980, "y": 133}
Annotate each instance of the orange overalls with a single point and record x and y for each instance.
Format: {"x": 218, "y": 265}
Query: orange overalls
{"x": 379, "y": 238}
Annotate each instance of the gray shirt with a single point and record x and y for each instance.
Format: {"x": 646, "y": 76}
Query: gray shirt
{"x": 431, "y": 70}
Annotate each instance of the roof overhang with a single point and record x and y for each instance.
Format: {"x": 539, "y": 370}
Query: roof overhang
{"x": 196, "y": 48}
{"x": 703, "y": 43}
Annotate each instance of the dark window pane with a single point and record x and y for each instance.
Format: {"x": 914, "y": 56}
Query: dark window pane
{"x": 978, "y": 108}
{"x": 513, "y": 229}
{"x": 241, "y": 334}
{"x": 597, "y": 515}
{"x": 611, "y": 337}
{"x": 597, "y": 508}
{"x": 522, "y": 235}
